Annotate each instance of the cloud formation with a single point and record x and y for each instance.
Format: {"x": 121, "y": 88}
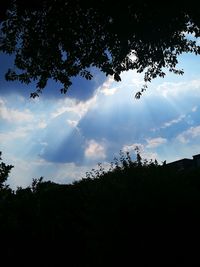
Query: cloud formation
{"x": 179, "y": 89}
{"x": 13, "y": 115}
{"x": 78, "y": 108}
{"x": 174, "y": 121}
{"x": 18, "y": 133}
{"x": 155, "y": 142}
{"x": 142, "y": 149}
{"x": 106, "y": 88}
{"x": 189, "y": 134}
{"x": 60, "y": 137}
{"x": 95, "y": 151}
{"x": 37, "y": 167}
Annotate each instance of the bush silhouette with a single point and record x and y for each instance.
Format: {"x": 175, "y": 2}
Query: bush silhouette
{"x": 137, "y": 212}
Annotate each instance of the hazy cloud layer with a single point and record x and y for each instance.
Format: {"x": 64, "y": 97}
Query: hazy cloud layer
{"x": 60, "y": 138}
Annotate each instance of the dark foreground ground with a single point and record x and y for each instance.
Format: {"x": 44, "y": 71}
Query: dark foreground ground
{"x": 135, "y": 214}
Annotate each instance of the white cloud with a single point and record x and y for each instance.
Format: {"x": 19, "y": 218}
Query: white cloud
{"x": 18, "y": 133}
{"x": 168, "y": 89}
{"x": 44, "y": 143}
{"x": 148, "y": 155}
{"x": 67, "y": 172}
{"x": 42, "y": 125}
{"x": 95, "y": 150}
{"x": 72, "y": 123}
{"x": 155, "y": 142}
{"x": 74, "y": 107}
{"x": 194, "y": 109}
{"x": 132, "y": 147}
{"x": 189, "y": 134}
{"x": 109, "y": 91}
{"x": 106, "y": 89}
{"x": 186, "y": 118}
{"x": 14, "y": 115}
{"x": 43, "y": 147}
{"x": 174, "y": 121}
{"x": 57, "y": 172}
{"x": 151, "y": 143}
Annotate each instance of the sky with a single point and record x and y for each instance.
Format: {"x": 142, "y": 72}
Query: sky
{"x": 61, "y": 137}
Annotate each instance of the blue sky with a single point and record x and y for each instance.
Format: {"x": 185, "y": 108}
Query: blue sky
{"x": 60, "y": 137}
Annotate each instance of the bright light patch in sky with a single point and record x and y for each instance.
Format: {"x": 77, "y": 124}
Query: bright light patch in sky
{"x": 95, "y": 151}
{"x": 62, "y": 137}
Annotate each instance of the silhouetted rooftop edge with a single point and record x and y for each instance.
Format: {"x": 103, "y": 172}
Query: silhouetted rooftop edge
{"x": 186, "y": 163}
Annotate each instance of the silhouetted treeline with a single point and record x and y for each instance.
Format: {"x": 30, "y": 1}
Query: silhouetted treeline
{"x": 136, "y": 213}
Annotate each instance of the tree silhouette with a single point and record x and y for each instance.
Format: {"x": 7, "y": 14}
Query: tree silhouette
{"x": 136, "y": 212}
{"x": 4, "y": 172}
{"x": 58, "y": 39}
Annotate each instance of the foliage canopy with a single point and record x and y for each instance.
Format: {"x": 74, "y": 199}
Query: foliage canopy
{"x": 59, "y": 39}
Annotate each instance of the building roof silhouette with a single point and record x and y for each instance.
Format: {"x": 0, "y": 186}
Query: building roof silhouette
{"x": 186, "y": 163}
